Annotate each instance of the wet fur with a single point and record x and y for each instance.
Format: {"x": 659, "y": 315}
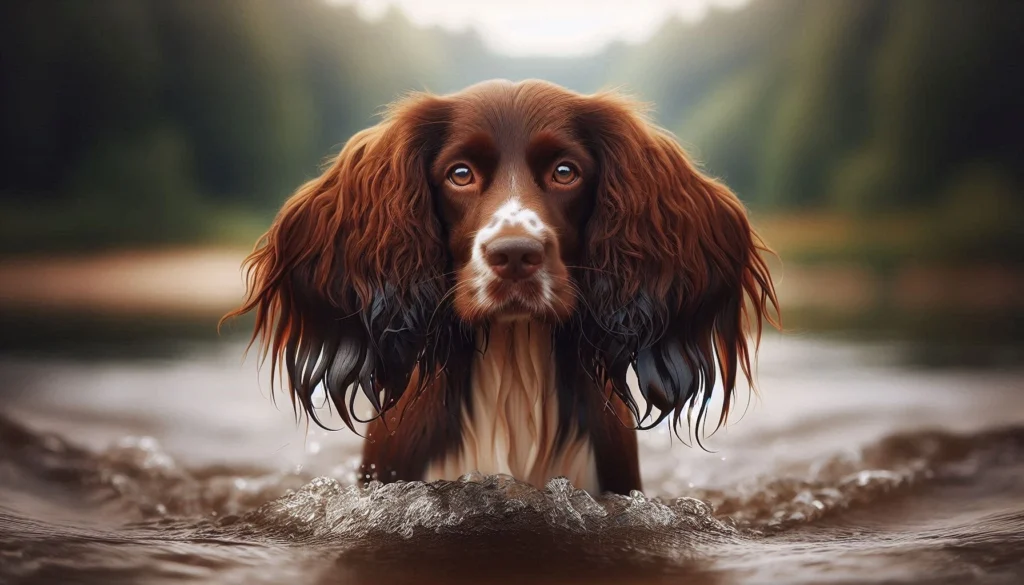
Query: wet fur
{"x": 355, "y": 288}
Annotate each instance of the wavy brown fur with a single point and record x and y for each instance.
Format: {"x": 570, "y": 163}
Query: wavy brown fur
{"x": 673, "y": 260}
{"x": 350, "y": 284}
{"x": 347, "y": 279}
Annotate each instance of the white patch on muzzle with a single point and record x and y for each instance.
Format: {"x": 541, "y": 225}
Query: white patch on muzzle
{"x": 510, "y": 215}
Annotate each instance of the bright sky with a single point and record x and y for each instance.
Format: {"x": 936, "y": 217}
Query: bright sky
{"x": 547, "y": 27}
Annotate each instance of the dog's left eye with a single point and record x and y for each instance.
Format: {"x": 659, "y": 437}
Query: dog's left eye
{"x": 565, "y": 174}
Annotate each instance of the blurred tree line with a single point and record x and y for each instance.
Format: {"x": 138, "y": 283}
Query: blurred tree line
{"x": 153, "y": 121}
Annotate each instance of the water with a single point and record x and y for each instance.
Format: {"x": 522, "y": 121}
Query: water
{"x": 851, "y": 467}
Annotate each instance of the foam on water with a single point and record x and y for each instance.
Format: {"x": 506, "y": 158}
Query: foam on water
{"x": 324, "y": 507}
{"x": 140, "y": 481}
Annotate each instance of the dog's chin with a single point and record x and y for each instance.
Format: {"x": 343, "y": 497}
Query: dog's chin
{"x": 509, "y": 302}
{"x": 513, "y": 310}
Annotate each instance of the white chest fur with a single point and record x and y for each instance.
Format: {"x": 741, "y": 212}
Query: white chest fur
{"x": 512, "y": 423}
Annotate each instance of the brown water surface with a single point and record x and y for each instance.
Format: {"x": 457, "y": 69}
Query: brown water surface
{"x": 851, "y": 467}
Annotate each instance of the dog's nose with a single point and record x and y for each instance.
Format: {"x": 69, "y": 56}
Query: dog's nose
{"x": 515, "y": 258}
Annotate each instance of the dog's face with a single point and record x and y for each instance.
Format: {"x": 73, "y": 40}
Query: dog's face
{"x": 510, "y": 201}
{"x": 514, "y": 185}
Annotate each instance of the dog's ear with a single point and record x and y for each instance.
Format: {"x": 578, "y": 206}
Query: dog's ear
{"x": 345, "y": 281}
{"x": 673, "y": 270}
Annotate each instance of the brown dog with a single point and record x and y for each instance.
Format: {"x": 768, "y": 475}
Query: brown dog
{"x": 485, "y": 267}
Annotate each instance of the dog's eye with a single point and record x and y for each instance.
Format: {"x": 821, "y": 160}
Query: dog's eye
{"x": 565, "y": 174}
{"x": 460, "y": 175}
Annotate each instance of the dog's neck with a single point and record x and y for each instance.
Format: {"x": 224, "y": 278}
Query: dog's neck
{"x": 511, "y": 424}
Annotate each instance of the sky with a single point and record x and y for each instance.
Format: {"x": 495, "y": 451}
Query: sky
{"x": 547, "y": 27}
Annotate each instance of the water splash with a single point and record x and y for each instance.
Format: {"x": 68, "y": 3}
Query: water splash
{"x": 475, "y": 503}
{"x": 140, "y": 480}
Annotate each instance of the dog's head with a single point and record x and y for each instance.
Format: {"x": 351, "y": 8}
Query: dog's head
{"x": 510, "y": 201}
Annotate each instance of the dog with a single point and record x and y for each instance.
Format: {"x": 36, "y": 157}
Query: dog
{"x": 486, "y": 267}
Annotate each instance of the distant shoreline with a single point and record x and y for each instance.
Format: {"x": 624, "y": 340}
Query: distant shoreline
{"x": 191, "y": 281}
{"x": 209, "y": 281}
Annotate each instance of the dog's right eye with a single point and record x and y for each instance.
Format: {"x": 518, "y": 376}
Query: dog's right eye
{"x": 460, "y": 176}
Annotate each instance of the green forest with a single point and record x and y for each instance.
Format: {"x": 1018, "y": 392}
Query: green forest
{"x": 153, "y": 122}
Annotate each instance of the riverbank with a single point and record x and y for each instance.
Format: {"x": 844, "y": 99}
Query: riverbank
{"x": 209, "y": 281}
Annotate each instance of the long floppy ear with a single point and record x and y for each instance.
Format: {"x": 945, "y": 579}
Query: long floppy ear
{"x": 673, "y": 271}
{"x": 346, "y": 280}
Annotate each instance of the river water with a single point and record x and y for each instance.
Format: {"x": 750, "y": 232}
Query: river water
{"x": 850, "y": 466}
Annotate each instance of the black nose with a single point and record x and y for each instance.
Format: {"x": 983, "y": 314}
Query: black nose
{"x": 515, "y": 258}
